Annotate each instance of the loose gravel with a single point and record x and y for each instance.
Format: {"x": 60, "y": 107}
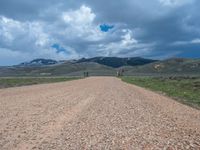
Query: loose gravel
{"x": 94, "y": 113}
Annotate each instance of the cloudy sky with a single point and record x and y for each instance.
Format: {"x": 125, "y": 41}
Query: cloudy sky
{"x": 72, "y": 29}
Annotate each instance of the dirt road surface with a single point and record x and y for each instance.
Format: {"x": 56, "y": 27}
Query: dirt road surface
{"x": 94, "y": 113}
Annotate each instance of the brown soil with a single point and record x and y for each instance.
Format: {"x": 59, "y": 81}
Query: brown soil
{"x": 94, "y": 113}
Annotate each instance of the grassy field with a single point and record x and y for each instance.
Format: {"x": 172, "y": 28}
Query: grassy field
{"x": 20, "y": 81}
{"x": 185, "y": 90}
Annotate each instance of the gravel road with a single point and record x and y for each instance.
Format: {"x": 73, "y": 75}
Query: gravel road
{"x": 94, "y": 113}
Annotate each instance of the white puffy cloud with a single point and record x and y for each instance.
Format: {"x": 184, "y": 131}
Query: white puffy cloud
{"x": 9, "y": 29}
{"x": 35, "y": 38}
{"x": 80, "y": 24}
{"x": 175, "y": 2}
{"x": 82, "y": 16}
{"x": 16, "y": 34}
{"x": 127, "y": 39}
{"x": 27, "y": 40}
{"x": 127, "y": 45}
{"x": 194, "y": 41}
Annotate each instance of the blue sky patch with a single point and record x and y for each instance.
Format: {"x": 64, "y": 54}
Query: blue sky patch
{"x": 58, "y": 48}
{"x": 106, "y": 27}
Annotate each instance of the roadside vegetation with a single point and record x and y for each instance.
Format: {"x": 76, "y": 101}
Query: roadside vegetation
{"x": 183, "y": 89}
{"x": 21, "y": 81}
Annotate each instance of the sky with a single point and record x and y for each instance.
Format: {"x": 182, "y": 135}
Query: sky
{"x": 73, "y": 29}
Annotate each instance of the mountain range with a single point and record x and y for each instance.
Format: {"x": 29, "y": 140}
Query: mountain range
{"x": 104, "y": 66}
{"x": 39, "y": 62}
{"x": 114, "y": 62}
{"x": 117, "y": 62}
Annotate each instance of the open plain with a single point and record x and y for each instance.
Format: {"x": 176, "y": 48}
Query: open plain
{"x": 94, "y": 113}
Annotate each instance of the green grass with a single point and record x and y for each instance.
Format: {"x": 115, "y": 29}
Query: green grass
{"x": 185, "y": 90}
{"x": 21, "y": 81}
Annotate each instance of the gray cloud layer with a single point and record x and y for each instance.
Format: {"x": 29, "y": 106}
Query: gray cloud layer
{"x": 155, "y": 29}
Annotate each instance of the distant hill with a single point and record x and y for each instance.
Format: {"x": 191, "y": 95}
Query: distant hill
{"x": 62, "y": 69}
{"x": 100, "y": 66}
{"x": 117, "y": 62}
{"x": 114, "y": 62}
{"x": 179, "y": 66}
{"x": 39, "y": 62}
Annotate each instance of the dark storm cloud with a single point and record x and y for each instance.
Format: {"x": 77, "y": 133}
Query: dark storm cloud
{"x": 156, "y": 29}
{"x": 22, "y": 9}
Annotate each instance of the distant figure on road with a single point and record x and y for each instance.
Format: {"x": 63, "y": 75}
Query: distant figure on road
{"x": 120, "y": 72}
{"x": 86, "y": 74}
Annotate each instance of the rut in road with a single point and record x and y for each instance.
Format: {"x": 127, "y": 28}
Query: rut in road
{"x": 94, "y": 113}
